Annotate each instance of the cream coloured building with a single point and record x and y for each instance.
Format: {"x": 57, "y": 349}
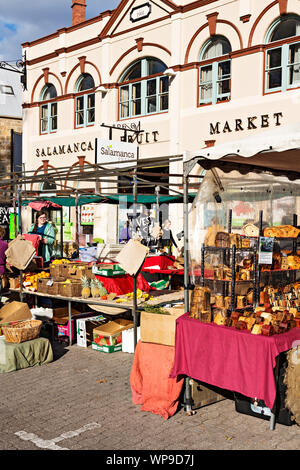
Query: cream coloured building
{"x": 193, "y": 74}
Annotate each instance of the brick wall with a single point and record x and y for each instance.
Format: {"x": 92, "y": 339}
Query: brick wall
{"x": 6, "y": 125}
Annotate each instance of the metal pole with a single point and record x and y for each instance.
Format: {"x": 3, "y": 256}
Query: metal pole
{"x": 76, "y": 220}
{"x": 188, "y": 390}
{"x": 134, "y": 311}
{"x": 186, "y": 240}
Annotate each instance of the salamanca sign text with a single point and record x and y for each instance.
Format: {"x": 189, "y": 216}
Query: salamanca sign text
{"x": 64, "y": 149}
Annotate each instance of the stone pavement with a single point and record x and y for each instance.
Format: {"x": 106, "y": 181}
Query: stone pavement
{"x": 82, "y": 401}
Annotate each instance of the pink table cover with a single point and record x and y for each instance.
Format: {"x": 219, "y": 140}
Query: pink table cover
{"x": 228, "y": 358}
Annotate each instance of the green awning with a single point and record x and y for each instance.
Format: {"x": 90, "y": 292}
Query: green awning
{"x": 108, "y": 198}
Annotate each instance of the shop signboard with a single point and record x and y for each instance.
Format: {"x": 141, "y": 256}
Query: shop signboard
{"x": 119, "y": 154}
{"x": 265, "y": 252}
{"x": 87, "y": 214}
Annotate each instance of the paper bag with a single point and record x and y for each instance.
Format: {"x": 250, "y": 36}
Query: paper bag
{"x": 19, "y": 253}
{"x": 132, "y": 256}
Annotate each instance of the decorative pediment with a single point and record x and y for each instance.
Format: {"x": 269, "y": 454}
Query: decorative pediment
{"x": 133, "y": 14}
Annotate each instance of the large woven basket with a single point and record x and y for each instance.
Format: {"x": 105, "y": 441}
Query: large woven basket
{"x": 23, "y": 331}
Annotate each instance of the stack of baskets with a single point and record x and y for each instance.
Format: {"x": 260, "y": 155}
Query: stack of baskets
{"x": 23, "y": 331}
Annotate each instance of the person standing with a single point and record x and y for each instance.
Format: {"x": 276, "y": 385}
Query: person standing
{"x": 46, "y": 232}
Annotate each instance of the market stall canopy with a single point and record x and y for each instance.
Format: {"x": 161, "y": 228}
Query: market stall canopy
{"x": 276, "y": 151}
{"x": 107, "y": 198}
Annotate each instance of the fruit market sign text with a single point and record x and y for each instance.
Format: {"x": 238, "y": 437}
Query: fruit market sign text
{"x": 251, "y": 122}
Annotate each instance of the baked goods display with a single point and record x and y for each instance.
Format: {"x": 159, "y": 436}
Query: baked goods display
{"x": 243, "y": 294}
{"x": 282, "y": 231}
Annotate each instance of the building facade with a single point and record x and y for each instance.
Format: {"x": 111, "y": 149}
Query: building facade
{"x": 191, "y": 74}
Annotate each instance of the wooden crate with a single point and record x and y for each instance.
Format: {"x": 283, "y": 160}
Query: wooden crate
{"x": 72, "y": 289}
{"x": 205, "y": 394}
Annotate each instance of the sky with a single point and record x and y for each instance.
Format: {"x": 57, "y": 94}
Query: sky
{"x": 26, "y": 20}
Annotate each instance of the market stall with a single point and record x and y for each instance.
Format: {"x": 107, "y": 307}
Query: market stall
{"x": 243, "y": 272}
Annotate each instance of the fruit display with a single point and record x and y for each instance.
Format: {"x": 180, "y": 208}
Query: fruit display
{"x": 30, "y": 280}
{"x": 86, "y": 287}
{"x": 60, "y": 261}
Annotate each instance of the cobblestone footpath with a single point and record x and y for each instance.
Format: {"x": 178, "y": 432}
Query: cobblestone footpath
{"x": 82, "y": 401}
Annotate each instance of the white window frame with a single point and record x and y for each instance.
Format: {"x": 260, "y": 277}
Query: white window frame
{"x": 144, "y": 97}
{"x": 284, "y": 67}
{"x": 85, "y": 110}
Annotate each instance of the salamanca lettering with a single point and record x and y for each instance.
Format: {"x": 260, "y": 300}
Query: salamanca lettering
{"x": 64, "y": 149}
{"x": 116, "y": 153}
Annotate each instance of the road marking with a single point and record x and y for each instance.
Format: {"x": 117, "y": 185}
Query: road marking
{"x": 50, "y": 444}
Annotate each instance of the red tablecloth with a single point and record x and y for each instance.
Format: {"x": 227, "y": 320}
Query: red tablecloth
{"x": 228, "y": 358}
{"x": 163, "y": 261}
{"x": 121, "y": 285}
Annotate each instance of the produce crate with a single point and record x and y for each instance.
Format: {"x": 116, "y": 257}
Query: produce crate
{"x": 72, "y": 289}
{"x": 59, "y": 270}
{"x": 108, "y": 270}
{"x": 78, "y": 270}
{"x": 14, "y": 282}
{"x": 42, "y": 285}
{"x": 108, "y": 338}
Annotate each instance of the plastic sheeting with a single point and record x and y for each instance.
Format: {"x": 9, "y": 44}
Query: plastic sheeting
{"x": 245, "y": 196}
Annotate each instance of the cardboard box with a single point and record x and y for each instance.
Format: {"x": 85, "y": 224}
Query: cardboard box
{"x": 61, "y": 315}
{"x": 132, "y": 256}
{"x": 158, "y": 328}
{"x": 85, "y": 327}
{"x": 108, "y": 338}
{"x": 13, "y": 312}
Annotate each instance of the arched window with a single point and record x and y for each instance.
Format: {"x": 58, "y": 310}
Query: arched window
{"x": 215, "y": 76}
{"x": 282, "y": 69}
{"x": 85, "y": 102}
{"x": 48, "y": 111}
{"x": 144, "y": 90}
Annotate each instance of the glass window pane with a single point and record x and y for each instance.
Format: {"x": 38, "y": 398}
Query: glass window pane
{"x": 136, "y": 107}
{"x": 294, "y": 74}
{"x": 49, "y": 93}
{"x": 136, "y": 90}
{"x": 224, "y": 87}
{"x": 164, "y": 102}
{"x": 151, "y": 104}
{"x": 53, "y": 109}
{"x": 91, "y": 101}
{"x": 79, "y": 118}
{"x": 274, "y": 78}
{"x": 44, "y": 112}
{"x": 124, "y": 94}
{"x": 274, "y": 58}
{"x": 216, "y": 48}
{"x": 79, "y": 103}
{"x": 155, "y": 66}
{"x": 124, "y": 110}
{"x": 44, "y": 125}
{"x": 206, "y": 92}
{"x": 91, "y": 115}
{"x": 286, "y": 29}
{"x": 151, "y": 87}
{"x": 86, "y": 83}
{"x": 206, "y": 74}
{"x": 134, "y": 72}
{"x": 164, "y": 85}
{"x": 54, "y": 123}
{"x": 224, "y": 69}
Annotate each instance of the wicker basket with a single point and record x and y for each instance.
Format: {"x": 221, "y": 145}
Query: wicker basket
{"x": 23, "y": 331}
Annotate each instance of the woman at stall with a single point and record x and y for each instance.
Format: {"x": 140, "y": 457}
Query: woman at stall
{"x": 46, "y": 232}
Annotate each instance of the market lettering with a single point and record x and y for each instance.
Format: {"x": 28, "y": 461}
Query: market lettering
{"x": 63, "y": 149}
{"x": 251, "y": 122}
